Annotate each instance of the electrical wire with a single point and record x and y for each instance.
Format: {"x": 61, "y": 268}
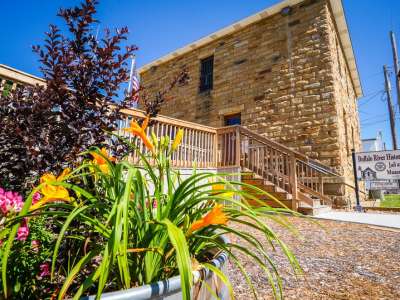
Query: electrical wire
{"x": 374, "y": 117}
{"x": 369, "y": 99}
{"x": 377, "y": 122}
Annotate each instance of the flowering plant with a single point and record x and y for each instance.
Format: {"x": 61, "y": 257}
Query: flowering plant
{"x": 30, "y": 252}
{"x": 122, "y": 224}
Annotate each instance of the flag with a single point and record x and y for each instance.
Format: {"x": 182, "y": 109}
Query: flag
{"x": 133, "y": 85}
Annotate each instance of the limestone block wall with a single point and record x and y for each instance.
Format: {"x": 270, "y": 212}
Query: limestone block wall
{"x": 283, "y": 75}
{"x": 348, "y": 124}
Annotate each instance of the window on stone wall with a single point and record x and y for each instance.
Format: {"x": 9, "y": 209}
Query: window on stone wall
{"x": 206, "y": 74}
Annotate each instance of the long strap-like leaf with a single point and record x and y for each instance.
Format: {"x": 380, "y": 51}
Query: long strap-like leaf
{"x": 179, "y": 243}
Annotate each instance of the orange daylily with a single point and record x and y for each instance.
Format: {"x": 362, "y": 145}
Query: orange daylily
{"x": 51, "y": 177}
{"x": 214, "y": 217}
{"x": 135, "y": 129}
{"x": 101, "y": 160}
{"x": 50, "y": 192}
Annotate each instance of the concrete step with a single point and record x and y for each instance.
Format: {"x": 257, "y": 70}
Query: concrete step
{"x": 313, "y": 211}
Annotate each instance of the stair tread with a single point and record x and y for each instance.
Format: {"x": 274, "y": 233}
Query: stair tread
{"x": 305, "y": 205}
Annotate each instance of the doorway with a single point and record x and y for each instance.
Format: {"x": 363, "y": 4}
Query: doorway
{"x": 235, "y": 119}
{"x": 229, "y": 140}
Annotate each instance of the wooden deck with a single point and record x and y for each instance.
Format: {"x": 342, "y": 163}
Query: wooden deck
{"x": 202, "y": 146}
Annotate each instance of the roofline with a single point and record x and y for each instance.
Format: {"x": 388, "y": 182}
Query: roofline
{"x": 339, "y": 17}
{"x": 19, "y": 72}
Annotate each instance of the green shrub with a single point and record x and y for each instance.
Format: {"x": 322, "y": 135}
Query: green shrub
{"x": 121, "y": 224}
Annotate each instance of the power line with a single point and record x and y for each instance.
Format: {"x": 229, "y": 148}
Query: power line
{"x": 373, "y": 75}
{"x": 376, "y": 122}
{"x": 374, "y": 117}
{"x": 369, "y": 99}
{"x": 370, "y": 93}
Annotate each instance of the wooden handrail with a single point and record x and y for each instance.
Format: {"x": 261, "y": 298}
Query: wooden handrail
{"x": 197, "y": 149}
{"x": 276, "y": 145}
{"x": 236, "y": 146}
{"x": 137, "y": 113}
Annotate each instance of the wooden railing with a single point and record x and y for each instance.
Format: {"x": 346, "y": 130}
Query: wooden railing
{"x": 286, "y": 168}
{"x": 243, "y": 148}
{"x": 198, "y": 146}
{"x": 236, "y": 146}
{"x": 310, "y": 180}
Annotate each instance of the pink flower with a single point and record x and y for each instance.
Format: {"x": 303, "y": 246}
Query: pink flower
{"x": 36, "y": 197}
{"x": 23, "y": 231}
{"x": 35, "y": 244}
{"x": 10, "y": 202}
{"x": 44, "y": 270}
{"x": 154, "y": 203}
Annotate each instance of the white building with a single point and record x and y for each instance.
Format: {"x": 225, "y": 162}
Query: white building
{"x": 374, "y": 144}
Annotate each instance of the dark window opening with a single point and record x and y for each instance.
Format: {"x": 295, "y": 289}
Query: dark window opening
{"x": 231, "y": 120}
{"x": 206, "y": 74}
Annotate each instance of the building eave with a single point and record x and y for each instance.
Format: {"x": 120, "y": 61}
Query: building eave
{"x": 339, "y": 16}
{"x": 20, "y": 76}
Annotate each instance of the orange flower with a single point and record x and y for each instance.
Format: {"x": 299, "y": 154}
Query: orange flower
{"x": 50, "y": 192}
{"x": 101, "y": 160}
{"x": 214, "y": 217}
{"x": 51, "y": 177}
{"x": 135, "y": 129}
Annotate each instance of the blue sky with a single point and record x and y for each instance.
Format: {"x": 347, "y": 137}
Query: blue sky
{"x": 159, "y": 27}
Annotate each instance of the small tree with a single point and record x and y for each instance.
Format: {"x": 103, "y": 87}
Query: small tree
{"x": 44, "y": 128}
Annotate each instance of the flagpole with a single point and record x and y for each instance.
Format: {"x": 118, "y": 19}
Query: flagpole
{"x": 131, "y": 74}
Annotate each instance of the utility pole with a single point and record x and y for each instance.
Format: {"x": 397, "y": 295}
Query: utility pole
{"x": 390, "y": 107}
{"x": 396, "y": 65}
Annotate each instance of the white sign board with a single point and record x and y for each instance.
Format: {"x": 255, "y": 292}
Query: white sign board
{"x": 378, "y": 165}
{"x": 384, "y": 185}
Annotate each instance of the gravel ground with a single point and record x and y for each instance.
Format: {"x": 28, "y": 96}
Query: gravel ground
{"x": 341, "y": 261}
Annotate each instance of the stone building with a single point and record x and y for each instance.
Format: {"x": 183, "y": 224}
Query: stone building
{"x": 287, "y": 72}
{"x": 11, "y": 78}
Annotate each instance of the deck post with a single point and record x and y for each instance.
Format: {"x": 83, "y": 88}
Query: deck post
{"x": 216, "y": 139}
{"x": 293, "y": 181}
{"x": 237, "y": 147}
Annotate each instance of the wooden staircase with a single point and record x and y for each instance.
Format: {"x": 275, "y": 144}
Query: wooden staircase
{"x": 288, "y": 176}
{"x": 274, "y": 191}
{"x": 306, "y": 204}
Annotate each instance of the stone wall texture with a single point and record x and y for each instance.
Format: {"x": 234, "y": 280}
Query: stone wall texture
{"x": 287, "y": 76}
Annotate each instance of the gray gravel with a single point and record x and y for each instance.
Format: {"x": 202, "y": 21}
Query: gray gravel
{"x": 342, "y": 261}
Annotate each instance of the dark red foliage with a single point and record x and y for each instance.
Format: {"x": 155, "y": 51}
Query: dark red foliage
{"x": 44, "y": 128}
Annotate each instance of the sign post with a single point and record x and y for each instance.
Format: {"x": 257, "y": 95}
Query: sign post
{"x": 357, "y": 191}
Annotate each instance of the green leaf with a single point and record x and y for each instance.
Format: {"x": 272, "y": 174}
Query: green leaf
{"x": 74, "y": 272}
{"x": 179, "y": 243}
{"x": 67, "y": 222}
